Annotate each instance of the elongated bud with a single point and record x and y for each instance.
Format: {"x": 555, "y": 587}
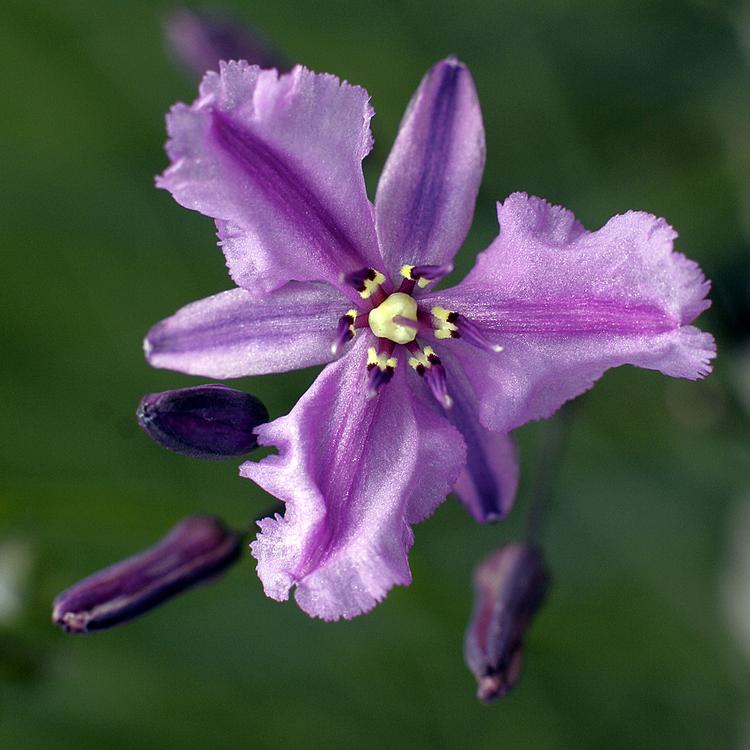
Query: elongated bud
{"x": 197, "y": 549}
{"x": 199, "y": 39}
{"x": 509, "y": 587}
{"x": 206, "y": 421}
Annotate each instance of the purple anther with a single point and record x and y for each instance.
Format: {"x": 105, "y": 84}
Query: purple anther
{"x": 435, "y": 378}
{"x": 431, "y": 273}
{"x": 205, "y": 421}
{"x": 197, "y": 549}
{"x": 509, "y": 587}
{"x": 357, "y": 279}
{"x": 344, "y": 333}
{"x": 377, "y": 378}
{"x": 471, "y": 333}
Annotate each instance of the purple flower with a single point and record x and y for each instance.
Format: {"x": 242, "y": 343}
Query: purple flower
{"x": 418, "y": 397}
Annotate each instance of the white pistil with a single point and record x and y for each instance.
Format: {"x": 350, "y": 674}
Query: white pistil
{"x": 383, "y": 325}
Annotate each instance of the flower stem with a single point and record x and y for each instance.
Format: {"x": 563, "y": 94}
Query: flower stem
{"x": 545, "y": 479}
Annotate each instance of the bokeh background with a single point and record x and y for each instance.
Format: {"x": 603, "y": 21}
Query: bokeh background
{"x": 644, "y": 642}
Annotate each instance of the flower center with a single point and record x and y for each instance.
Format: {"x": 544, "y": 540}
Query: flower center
{"x": 389, "y": 320}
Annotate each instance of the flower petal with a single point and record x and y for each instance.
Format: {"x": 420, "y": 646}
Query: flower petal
{"x": 488, "y": 482}
{"x": 567, "y": 304}
{"x": 354, "y": 474}
{"x": 231, "y": 335}
{"x": 426, "y": 194}
{"x": 277, "y": 161}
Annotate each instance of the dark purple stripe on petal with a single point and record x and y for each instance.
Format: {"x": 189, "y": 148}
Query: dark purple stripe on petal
{"x": 426, "y": 199}
{"x": 354, "y": 475}
{"x": 232, "y": 334}
{"x": 488, "y": 501}
{"x": 577, "y": 316}
{"x": 488, "y": 482}
{"x": 551, "y": 316}
{"x": 197, "y": 549}
{"x": 428, "y": 188}
{"x": 510, "y": 585}
{"x": 286, "y": 188}
{"x": 277, "y": 162}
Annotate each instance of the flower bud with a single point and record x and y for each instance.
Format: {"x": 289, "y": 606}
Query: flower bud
{"x": 199, "y": 39}
{"x": 509, "y": 586}
{"x": 206, "y": 421}
{"x": 197, "y": 549}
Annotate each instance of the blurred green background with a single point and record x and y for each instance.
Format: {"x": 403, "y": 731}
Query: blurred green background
{"x": 644, "y": 642}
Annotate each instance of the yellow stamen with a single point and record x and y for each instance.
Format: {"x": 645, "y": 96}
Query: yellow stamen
{"x": 371, "y": 285}
{"x": 422, "y": 358}
{"x": 352, "y": 314}
{"x": 380, "y": 359}
{"x": 444, "y": 329}
{"x": 406, "y": 273}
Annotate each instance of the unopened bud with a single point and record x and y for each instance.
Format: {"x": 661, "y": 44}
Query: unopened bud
{"x": 206, "y": 421}
{"x": 509, "y": 586}
{"x": 198, "y": 549}
{"x": 199, "y": 39}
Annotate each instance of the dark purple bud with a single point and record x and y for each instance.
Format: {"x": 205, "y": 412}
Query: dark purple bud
{"x": 509, "y": 587}
{"x": 199, "y": 39}
{"x": 198, "y": 549}
{"x": 206, "y": 421}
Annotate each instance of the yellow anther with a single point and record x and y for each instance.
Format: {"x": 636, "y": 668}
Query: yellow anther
{"x": 422, "y": 358}
{"x": 444, "y": 327}
{"x": 383, "y": 325}
{"x": 441, "y": 313}
{"x": 352, "y": 315}
{"x": 371, "y": 285}
{"x": 406, "y": 273}
{"x": 381, "y": 360}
